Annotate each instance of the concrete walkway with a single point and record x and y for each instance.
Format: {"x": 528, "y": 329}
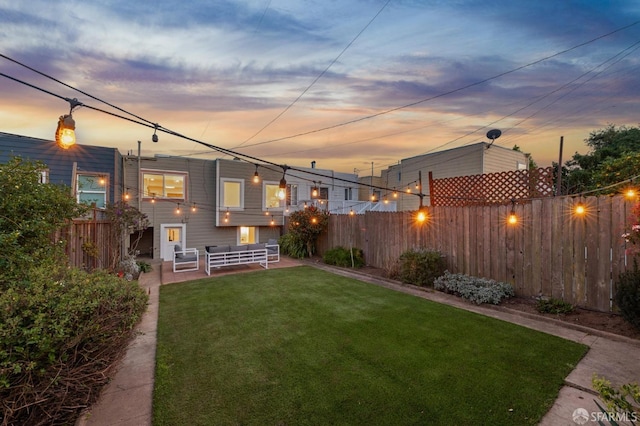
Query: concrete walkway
{"x": 127, "y": 400}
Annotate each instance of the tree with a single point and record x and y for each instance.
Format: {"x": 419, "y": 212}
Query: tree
{"x": 125, "y": 221}
{"x": 304, "y": 228}
{"x": 614, "y": 151}
{"x": 532, "y": 164}
{"x": 30, "y": 212}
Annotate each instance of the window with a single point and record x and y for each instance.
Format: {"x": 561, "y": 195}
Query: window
{"x": 232, "y": 195}
{"x": 270, "y": 196}
{"x": 157, "y": 184}
{"x": 43, "y": 176}
{"x": 91, "y": 189}
{"x": 248, "y": 235}
{"x": 348, "y": 194}
{"x": 292, "y": 195}
{"x": 323, "y": 194}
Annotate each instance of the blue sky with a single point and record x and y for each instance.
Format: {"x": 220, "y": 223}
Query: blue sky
{"x": 359, "y": 81}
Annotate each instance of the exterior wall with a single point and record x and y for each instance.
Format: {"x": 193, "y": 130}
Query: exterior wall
{"x": 205, "y": 226}
{"x": 60, "y": 162}
{"x": 335, "y": 184}
{"x": 501, "y": 159}
{"x": 464, "y": 161}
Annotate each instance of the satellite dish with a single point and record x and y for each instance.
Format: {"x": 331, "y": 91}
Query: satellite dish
{"x": 493, "y": 134}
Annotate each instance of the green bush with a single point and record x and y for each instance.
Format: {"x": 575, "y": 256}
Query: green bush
{"x": 340, "y": 256}
{"x": 554, "y": 306}
{"x": 628, "y": 296}
{"x": 478, "y": 290}
{"x": 144, "y": 266}
{"x": 292, "y": 245}
{"x": 58, "y": 335}
{"x": 421, "y": 267}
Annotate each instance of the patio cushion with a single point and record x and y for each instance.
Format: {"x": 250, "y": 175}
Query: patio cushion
{"x": 239, "y": 248}
{"x": 255, "y": 246}
{"x": 219, "y": 249}
{"x": 177, "y": 249}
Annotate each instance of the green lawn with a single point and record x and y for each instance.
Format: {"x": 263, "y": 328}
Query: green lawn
{"x": 301, "y": 346}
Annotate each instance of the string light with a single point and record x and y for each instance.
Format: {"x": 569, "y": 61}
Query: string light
{"x": 178, "y": 209}
{"x": 193, "y": 207}
{"x": 580, "y": 209}
{"x": 66, "y": 131}
{"x": 256, "y": 176}
{"x": 282, "y": 188}
{"x": 630, "y": 193}
{"x": 422, "y": 215}
{"x": 512, "y": 219}
{"x": 273, "y": 222}
{"x": 351, "y": 212}
{"x": 154, "y": 137}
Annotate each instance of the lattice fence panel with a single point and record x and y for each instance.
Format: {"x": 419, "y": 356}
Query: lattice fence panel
{"x": 492, "y": 188}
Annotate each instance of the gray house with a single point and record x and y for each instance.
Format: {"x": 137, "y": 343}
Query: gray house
{"x": 93, "y": 173}
{"x": 476, "y": 159}
{"x": 198, "y": 203}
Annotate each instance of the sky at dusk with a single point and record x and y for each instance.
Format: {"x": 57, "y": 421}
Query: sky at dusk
{"x": 345, "y": 83}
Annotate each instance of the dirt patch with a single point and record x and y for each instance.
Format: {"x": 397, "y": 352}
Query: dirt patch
{"x": 612, "y": 323}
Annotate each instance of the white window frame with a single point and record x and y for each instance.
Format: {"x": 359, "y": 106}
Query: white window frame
{"x": 292, "y": 194}
{"x": 222, "y": 203}
{"x": 43, "y": 176}
{"x": 265, "y": 207}
{"x": 348, "y": 193}
{"x": 104, "y": 191}
{"x": 256, "y": 234}
{"x": 164, "y": 173}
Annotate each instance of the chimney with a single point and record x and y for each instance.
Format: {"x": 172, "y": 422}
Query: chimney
{"x": 313, "y": 164}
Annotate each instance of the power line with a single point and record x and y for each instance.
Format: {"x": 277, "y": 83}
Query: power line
{"x": 316, "y": 79}
{"x": 459, "y": 89}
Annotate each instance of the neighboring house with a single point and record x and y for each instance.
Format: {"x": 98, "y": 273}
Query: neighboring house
{"x": 476, "y": 159}
{"x": 334, "y": 192}
{"x": 92, "y": 172}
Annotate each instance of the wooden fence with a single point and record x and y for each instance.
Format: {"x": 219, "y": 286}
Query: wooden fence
{"x": 88, "y": 243}
{"x": 550, "y": 251}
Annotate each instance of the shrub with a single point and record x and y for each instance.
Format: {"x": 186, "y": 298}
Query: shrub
{"x": 628, "y": 296}
{"x": 144, "y": 266}
{"x": 344, "y": 257}
{"x": 421, "y": 267}
{"x": 307, "y": 225}
{"x": 291, "y": 244}
{"x": 618, "y": 401}
{"x": 554, "y": 306}
{"x": 478, "y": 290}
{"x": 58, "y": 335}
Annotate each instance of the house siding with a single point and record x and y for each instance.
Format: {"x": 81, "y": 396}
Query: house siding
{"x": 60, "y": 162}
{"x": 464, "y": 161}
{"x": 202, "y": 188}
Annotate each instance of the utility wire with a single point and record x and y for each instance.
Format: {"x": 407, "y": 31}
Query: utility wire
{"x": 459, "y": 89}
{"x": 316, "y": 79}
